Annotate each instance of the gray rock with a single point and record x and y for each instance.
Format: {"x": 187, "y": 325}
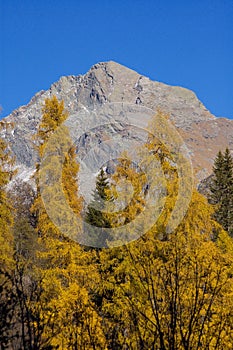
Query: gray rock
{"x": 108, "y": 82}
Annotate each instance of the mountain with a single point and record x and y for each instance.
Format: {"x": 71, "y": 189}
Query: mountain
{"x": 106, "y": 82}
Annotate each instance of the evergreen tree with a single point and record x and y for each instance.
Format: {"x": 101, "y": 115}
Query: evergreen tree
{"x": 217, "y": 180}
{"x": 95, "y": 215}
{"x": 222, "y": 190}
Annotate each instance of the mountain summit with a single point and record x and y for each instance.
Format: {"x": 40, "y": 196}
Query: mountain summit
{"x": 105, "y": 82}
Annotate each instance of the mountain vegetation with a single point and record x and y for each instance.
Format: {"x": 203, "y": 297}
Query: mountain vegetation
{"x": 221, "y": 188}
{"x": 162, "y": 291}
{"x": 95, "y": 212}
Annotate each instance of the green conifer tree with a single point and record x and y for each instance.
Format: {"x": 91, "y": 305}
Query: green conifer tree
{"x": 216, "y": 186}
{"x": 222, "y": 190}
{"x": 95, "y": 215}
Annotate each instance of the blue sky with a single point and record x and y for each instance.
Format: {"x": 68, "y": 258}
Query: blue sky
{"x": 185, "y": 43}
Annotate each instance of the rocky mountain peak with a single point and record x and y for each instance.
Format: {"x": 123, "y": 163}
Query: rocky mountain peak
{"x": 105, "y": 82}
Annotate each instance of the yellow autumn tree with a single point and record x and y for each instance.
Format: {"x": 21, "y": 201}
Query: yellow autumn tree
{"x": 170, "y": 290}
{"x": 7, "y": 303}
{"x": 67, "y": 269}
{"x": 6, "y": 215}
{"x": 178, "y": 292}
{"x": 132, "y": 185}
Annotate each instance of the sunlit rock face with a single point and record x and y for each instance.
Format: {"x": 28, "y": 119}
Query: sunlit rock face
{"x": 110, "y": 82}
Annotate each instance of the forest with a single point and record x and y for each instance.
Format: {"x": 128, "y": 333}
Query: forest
{"x": 162, "y": 291}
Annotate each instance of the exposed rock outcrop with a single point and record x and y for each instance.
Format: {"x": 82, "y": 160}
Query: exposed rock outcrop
{"x": 203, "y": 133}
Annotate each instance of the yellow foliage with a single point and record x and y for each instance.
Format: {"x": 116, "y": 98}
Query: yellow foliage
{"x": 6, "y": 216}
{"x": 67, "y": 269}
{"x": 180, "y": 290}
{"x": 167, "y": 290}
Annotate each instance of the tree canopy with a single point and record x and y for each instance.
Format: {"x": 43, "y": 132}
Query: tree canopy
{"x": 222, "y": 190}
{"x": 165, "y": 290}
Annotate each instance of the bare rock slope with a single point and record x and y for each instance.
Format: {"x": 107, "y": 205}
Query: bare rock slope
{"x": 203, "y": 133}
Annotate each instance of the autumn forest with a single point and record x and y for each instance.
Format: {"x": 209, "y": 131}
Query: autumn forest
{"x": 165, "y": 290}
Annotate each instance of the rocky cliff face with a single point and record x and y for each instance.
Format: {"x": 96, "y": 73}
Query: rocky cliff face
{"x": 107, "y": 82}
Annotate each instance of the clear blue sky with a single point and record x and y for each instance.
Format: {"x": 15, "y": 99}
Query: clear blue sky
{"x": 185, "y": 43}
